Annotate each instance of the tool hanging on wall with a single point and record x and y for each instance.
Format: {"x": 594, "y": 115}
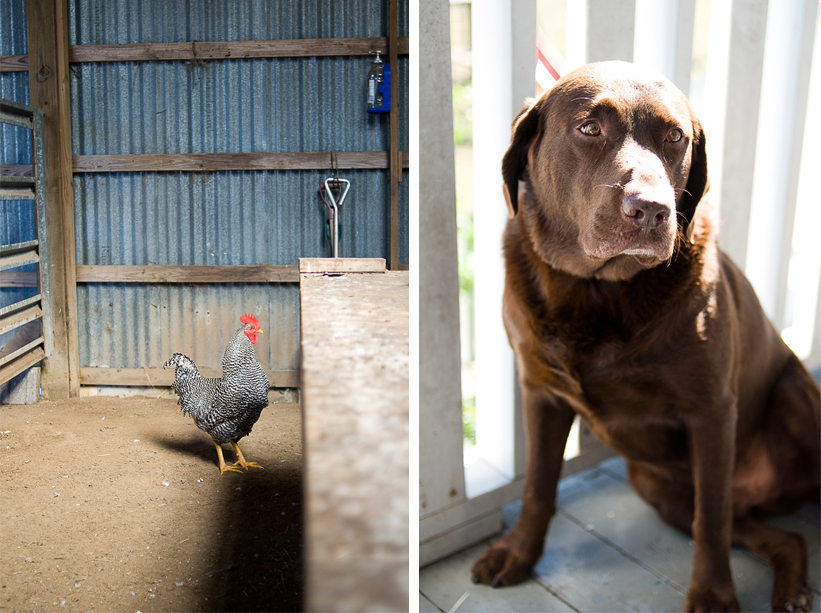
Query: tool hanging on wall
{"x": 379, "y": 86}
{"x": 332, "y": 203}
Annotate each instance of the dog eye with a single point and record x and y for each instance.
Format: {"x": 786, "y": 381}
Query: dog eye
{"x": 674, "y": 136}
{"x": 591, "y": 129}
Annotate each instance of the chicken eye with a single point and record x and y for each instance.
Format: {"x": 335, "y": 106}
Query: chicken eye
{"x": 591, "y": 128}
{"x": 674, "y": 136}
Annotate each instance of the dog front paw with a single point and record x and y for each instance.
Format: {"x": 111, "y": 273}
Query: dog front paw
{"x": 795, "y": 599}
{"x": 710, "y": 600}
{"x": 502, "y": 565}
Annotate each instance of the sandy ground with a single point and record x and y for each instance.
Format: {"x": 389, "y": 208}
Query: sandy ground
{"x": 117, "y": 504}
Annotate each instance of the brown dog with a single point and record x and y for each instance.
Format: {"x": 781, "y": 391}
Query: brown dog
{"x": 620, "y": 307}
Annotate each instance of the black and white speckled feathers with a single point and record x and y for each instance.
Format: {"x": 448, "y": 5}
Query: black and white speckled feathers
{"x": 226, "y": 408}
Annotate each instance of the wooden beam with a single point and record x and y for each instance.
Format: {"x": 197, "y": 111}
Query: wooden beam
{"x": 67, "y": 196}
{"x": 16, "y": 170}
{"x": 227, "y": 50}
{"x": 47, "y": 51}
{"x": 395, "y": 166}
{"x": 161, "y": 377}
{"x": 18, "y": 279}
{"x": 188, "y": 274}
{"x": 214, "y": 162}
{"x": 14, "y": 63}
{"x": 11, "y": 370}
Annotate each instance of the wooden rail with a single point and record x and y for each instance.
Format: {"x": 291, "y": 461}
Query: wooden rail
{"x": 188, "y": 274}
{"x": 222, "y": 50}
{"x": 213, "y": 162}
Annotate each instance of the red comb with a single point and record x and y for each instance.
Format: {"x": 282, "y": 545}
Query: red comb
{"x": 249, "y": 319}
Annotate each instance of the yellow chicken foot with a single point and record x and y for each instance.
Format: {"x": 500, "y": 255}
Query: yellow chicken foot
{"x": 223, "y": 465}
{"x": 241, "y": 459}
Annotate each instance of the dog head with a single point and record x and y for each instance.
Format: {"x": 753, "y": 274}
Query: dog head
{"x": 606, "y": 170}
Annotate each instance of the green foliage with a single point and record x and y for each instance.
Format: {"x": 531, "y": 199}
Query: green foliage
{"x": 463, "y": 114}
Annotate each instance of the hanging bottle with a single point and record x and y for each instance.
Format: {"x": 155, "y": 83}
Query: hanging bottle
{"x": 379, "y": 86}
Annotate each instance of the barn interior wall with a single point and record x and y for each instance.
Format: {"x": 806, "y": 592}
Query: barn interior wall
{"x": 306, "y": 104}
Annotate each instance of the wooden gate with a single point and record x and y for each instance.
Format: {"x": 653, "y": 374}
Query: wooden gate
{"x": 29, "y": 317}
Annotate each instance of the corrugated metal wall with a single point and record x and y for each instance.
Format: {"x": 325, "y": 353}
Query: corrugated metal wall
{"x": 231, "y": 106}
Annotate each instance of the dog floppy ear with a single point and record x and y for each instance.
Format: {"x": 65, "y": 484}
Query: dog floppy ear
{"x": 514, "y": 163}
{"x": 697, "y": 181}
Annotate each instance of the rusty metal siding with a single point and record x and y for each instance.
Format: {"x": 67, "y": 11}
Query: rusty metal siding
{"x": 134, "y": 325}
{"x": 179, "y": 218}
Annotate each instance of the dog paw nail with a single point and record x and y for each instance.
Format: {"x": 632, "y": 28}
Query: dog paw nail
{"x": 496, "y": 582}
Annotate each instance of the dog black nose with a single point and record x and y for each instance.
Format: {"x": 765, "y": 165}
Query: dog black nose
{"x": 646, "y": 214}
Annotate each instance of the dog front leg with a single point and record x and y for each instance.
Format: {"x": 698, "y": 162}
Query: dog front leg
{"x": 547, "y": 425}
{"x": 712, "y": 456}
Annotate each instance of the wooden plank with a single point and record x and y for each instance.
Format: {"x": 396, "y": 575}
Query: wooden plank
{"x": 18, "y": 352}
{"x": 341, "y": 265}
{"x": 46, "y": 41}
{"x": 17, "y": 260}
{"x": 16, "y": 193}
{"x": 200, "y": 162}
{"x": 188, "y": 274}
{"x": 11, "y": 370}
{"x": 228, "y": 50}
{"x": 161, "y": 377}
{"x": 14, "y": 63}
{"x": 17, "y": 306}
{"x": 15, "y": 278}
{"x": 11, "y": 322}
{"x": 15, "y": 120}
{"x": 15, "y": 170}
{"x": 15, "y": 247}
{"x": 65, "y": 164}
{"x": 355, "y": 375}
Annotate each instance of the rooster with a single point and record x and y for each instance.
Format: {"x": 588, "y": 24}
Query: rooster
{"x": 226, "y": 408}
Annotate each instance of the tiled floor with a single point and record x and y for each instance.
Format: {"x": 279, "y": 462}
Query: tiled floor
{"x": 607, "y": 550}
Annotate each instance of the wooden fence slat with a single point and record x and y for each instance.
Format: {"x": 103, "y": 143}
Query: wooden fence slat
{"x": 18, "y": 319}
{"x": 188, "y": 274}
{"x": 9, "y": 371}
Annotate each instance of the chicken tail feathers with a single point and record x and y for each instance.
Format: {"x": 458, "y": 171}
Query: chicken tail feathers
{"x": 186, "y": 372}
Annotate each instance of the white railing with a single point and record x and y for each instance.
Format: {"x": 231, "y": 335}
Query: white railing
{"x": 763, "y": 75}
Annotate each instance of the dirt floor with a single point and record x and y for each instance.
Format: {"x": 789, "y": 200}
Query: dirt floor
{"x": 117, "y": 504}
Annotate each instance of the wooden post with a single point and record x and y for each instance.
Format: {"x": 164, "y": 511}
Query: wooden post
{"x": 395, "y": 161}
{"x": 47, "y": 31}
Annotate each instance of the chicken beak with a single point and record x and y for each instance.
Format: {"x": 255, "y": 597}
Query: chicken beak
{"x": 259, "y": 331}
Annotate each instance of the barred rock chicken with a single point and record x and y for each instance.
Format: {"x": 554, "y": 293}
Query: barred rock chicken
{"x": 226, "y": 408}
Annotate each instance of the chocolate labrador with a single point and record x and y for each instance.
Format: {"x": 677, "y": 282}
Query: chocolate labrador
{"x": 621, "y": 308}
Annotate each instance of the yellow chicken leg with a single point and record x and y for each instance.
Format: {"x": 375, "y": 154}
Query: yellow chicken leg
{"x": 223, "y": 465}
{"x": 241, "y": 459}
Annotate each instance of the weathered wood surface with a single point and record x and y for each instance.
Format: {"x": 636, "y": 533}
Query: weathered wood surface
{"x": 218, "y": 50}
{"x": 16, "y": 170}
{"x": 188, "y": 274}
{"x": 607, "y": 550}
{"x": 355, "y": 362}
{"x": 213, "y": 162}
{"x": 341, "y": 265}
{"x": 18, "y": 279}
